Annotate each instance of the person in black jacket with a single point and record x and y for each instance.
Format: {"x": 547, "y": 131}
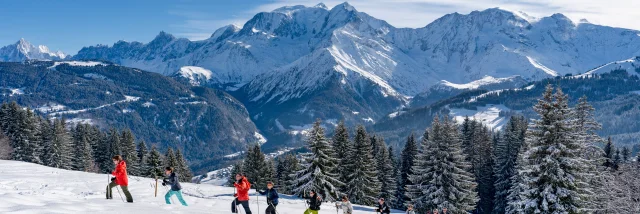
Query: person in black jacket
{"x": 272, "y": 198}
{"x": 314, "y": 203}
{"x": 383, "y": 207}
{"x": 172, "y": 180}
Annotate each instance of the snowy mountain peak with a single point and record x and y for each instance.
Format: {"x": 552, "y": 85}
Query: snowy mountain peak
{"x": 345, "y": 6}
{"x": 164, "y": 36}
{"x": 24, "y": 50}
{"x": 321, "y": 6}
{"x": 196, "y": 75}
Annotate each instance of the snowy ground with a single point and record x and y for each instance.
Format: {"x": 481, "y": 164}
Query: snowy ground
{"x": 32, "y": 188}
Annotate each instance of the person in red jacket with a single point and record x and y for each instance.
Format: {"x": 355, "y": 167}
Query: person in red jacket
{"x": 120, "y": 178}
{"x": 242, "y": 196}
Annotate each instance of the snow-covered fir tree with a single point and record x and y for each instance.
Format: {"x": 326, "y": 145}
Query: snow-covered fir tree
{"x": 393, "y": 197}
{"x": 170, "y": 159}
{"x": 235, "y": 169}
{"x": 59, "y": 150}
{"x": 407, "y": 158}
{"x": 256, "y": 167}
{"x": 506, "y": 156}
{"x": 551, "y": 172}
{"x": 287, "y": 166}
{"x": 318, "y": 167}
{"x": 129, "y": 152}
{"x": 183, "y": 169}
{"x": 482, "y": 163}
{"x": 363, "y": 183}
{"x": 343, "y": 150}
{"x": 386, "y": 169}
{"x": 154, "y": 163}
{"x": 626, "y": 153}
{"x": 442, "y": 176}
{"x": 609, "y": 151}
{"x": 86, "y": 159}
{"x": 114, "y": 141}
{"x": 143, "y": 153}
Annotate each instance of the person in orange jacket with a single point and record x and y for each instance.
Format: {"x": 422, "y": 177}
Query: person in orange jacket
{"x": 120, "y": 178}
{"x": 242, "y": 196}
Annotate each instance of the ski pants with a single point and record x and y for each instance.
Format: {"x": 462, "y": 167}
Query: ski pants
{"x": 125, "y": 190}
{"x": 271, "y": 209}
{"x": 245, "y": 205}
{"x": 310, "y": 211}
{"x": 178, "y": 194}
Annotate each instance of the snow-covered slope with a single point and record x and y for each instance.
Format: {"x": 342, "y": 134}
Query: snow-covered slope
{"x": 31, "y": 188}
{"x": 631, "y": 65}
{"x": 195, "y": 75}
{"x": 23, "y": 50}
{"x": 446, "y": 89}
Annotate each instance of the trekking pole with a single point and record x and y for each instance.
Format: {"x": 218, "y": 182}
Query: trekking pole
{"x": 156, "y": 193}
{"x": 258, "y": 199}
{"x": 118, "y": 188}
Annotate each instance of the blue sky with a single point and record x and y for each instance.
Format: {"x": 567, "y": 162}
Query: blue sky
{"x": 70, "y": 25}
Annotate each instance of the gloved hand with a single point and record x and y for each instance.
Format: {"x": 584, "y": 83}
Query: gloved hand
{"x": 164, "y": 184}
{"x": 164, "y": 180}
{"x": 113, "y": 179}
{"x": 235, "y": 195}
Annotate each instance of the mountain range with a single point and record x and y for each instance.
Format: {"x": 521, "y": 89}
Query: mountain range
{"x": 23, "y": 50}
{"x": 298, "y": 63}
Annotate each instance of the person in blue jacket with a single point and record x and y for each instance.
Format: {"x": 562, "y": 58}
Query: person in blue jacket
{"x": 172, "y": 180}
{"x": 272, "y": 198}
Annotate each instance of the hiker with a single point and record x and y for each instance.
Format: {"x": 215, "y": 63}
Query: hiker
{"x": 345, "y": 205}
{"x": 410, "y": 209}
{"x": 242, "y": 186}
{"x": 435, "y": 211}
{"x": 272, "y": 198}
{"x": 314, "y": 203}
{"x": 444, "y": 210}
{"x": 383, "y": 207}
{"x": 120, "y": 178}
{"x": 172, "y": 180}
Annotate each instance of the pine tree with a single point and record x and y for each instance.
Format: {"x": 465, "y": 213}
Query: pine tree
{"x": 386, "y": 170}
{"x": 236, "y": 169}
{"x": 58, "y": 152}
{"x": 85, "y": 160}
{"x": 114, "y": 141}
{"x": 47, "y": 137}
{"x": 104, "y": 153}
{"x": 441, "y": 174}
{"x": 363, "y": 182}
{"x": 393, "y": 187}
{"x": 183, "y": 168}
{"x": 609, "y": 151}
{"x": 317, "y": 168}
{"x": 407, "y": 159}
{"x": 343, "y": 149}
{"x": 626, "y": 153}
{"x": 143, "y": 153}
{"x": 551, "y": 177}
{"x": 482, "y": 163}
{"x": 256, "y": 167}
{"x": 617, "y": 159}
{"x": 506, "y": 155}
{"x": 170, "y": 159}
{"x": 129, "y": 152}
{"x": 154, "y": 163}
{"x": 288, "y": 166}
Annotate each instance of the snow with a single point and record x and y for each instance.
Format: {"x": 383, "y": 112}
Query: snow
{"x": 635, "y": 92}
{"x": 196, "y": 75}
{"x": 127, "y": 110}
{"x": 31, "y": 188}
{"x": 95, "y": 76}
{"x": 261, "y": 139}
{"x": 14, "y": 91}
{"x": 488, "y": 115}
{"x": 368, "y": 119}
{"x": 23, "y": 50}
{"x": 77, "y": 63}
{"x": 50, "y": 107}
{"x": 148, "y": 104}
{"x": 75, "y": 121}
{"x": 233, "y": 155}
{"x": 629, "y": 64}
{"x": 191, "y": 103}
{"x": 542, "y": 67}
{"x": 127, "y": 99}
{"x": 486, "y": 80}
{"x": 395, "y": 114}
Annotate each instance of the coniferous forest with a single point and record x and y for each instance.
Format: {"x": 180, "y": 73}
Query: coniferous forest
{"x": 555, "y": 163}
{"x": 29, "y": 137}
